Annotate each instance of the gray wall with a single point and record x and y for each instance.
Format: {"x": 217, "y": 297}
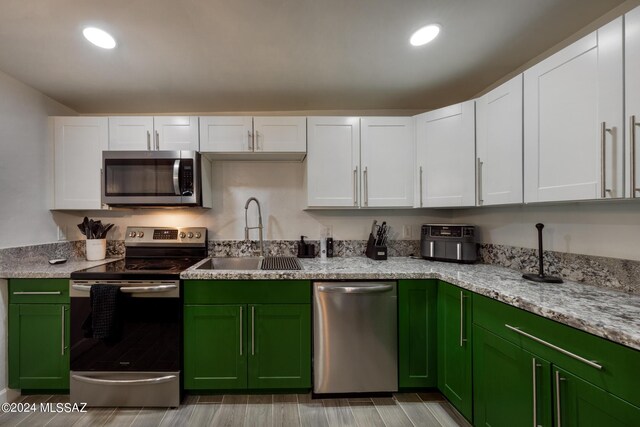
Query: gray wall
{"x": 25, "y": 164}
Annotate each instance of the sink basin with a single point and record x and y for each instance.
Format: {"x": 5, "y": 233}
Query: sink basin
{"x": 251, "y": 263}
{"x": 232, "y": 263}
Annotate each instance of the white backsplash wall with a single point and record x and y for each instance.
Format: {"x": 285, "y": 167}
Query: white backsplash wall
{"x": 605, "y": 228}
{"x": 279, "y": 186}
{"x": 25, "y": 164}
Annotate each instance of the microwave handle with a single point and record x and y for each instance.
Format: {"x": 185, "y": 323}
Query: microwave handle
{"x": 176, "y": 177}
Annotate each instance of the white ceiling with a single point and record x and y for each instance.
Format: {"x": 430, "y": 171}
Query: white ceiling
{"x": 261, "y": 55}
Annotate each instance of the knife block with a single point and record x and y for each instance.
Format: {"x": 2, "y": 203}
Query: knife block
{"x": 375, "y": 252}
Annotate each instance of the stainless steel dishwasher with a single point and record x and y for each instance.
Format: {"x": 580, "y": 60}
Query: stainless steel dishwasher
{"x": 355, "y": 337}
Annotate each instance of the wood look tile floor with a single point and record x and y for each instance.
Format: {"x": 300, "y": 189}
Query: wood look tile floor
{"x": 403, "y": 409}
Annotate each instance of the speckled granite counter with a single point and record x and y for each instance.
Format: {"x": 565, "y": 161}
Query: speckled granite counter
{"x": 609, "y": 314}
{"x": 39, "y": 268}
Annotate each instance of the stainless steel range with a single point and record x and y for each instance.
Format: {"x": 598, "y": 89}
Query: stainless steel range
{"x": 138, "y": 362}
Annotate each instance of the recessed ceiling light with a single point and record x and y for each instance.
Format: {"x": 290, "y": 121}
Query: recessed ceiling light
{"x": 424, "y": 35}
{"x": 99, "y": 37}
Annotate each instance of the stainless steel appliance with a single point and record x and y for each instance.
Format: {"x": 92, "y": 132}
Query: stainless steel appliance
{"x": 155, "y": 178}
{"x": 355, "y": 337}
{"x": 141, "y": 364}
{"x": 449, "y": 242}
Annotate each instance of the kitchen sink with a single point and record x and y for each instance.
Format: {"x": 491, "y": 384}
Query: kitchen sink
{"x": 251, "y": 263}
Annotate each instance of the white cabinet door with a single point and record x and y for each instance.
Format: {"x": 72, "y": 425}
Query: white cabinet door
{"x": 78, "y": 145}
{"x": 632, "y": 97}
{"x": 333, "y": 161}
{"x": 573, "y": 124}
{"x": 446, "y": 156}
{"x": 131, "y": 133}
{"x": 280, "y": 134}
{"x": 226, "y": 134}
{"x": 175, "y": 133}
{"x": 387, "y": 152}
{"x": 499, "y": 144}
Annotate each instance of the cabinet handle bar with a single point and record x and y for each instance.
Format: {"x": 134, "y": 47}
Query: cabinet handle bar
{"x": 420, "y": 186}
{"x": 558, "y": 400}
{"x": 633, "y": 125}
{"x": 240, "y": 330}
{"x": 63, "y": 330}
{"x": 462, "y": 338}
{"x": 535, "y": 391}
{"x": 555, "y": 347}
{"x": 603, "y": 159}
{"x": 253, "y": 330}
{"x": 37, "y": 293}
{"x": 480, "y": 165}
{"x": 355, "y": 186}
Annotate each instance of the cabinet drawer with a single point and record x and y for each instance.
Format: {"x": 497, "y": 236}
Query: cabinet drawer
{"x": 247, "y": 292}
{"x": 38, "y": 291}
{"x": 619, "y": 374}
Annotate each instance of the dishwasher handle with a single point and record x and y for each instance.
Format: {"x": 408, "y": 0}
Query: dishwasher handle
{"x": 371, "y": 289}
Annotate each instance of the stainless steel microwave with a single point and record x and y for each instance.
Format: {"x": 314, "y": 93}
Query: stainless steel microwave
{"x": 155, "y": 178}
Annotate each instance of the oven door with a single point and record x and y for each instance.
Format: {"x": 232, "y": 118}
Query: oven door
{"x": 150, "y": 178}
{"x": 148, "y": 337}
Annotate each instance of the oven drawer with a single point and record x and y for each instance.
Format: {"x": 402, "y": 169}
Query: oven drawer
{"x": 38, "y": 291}
{"x": 149, "y": 389}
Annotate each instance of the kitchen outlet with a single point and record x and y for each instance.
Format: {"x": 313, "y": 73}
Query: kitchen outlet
{"x": 62, "y": 233}
{"x": 406, "y": 232}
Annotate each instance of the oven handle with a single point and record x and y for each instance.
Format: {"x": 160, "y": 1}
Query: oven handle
{"x": 132, "y": 289}
{"x": 157, "y": 380}
{"x": 147, "y": 289}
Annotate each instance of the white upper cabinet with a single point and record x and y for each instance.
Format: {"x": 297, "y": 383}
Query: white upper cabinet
{"x": 333, "y": 161}
{"x": 446, "y": 156}
{"x": 632, "y": 97}
{"x": 253, "y": 138}
{"x": 141, "y": 133}
{"x": 131, "y": 133}
{"x": 176, "y": 133}
{"x": 78, "y": 144}
{"x": 280, "y": 134}
{"x": 387, "y": 151}
{"x": 499, "y": 144}
{"x": 226, "y": 134}
{"x": 573, "y": 121}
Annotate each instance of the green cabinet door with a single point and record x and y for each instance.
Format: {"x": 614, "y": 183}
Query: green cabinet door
{"x": 215, "y": 347}
{"x": 417, "y": 333}
{"x": 39, "y": 346}
{"x": 580, "y": 403}
{"x": 279, "y": 346}
{"x": 509, "y": 384}
{"x": 454, "y": 346}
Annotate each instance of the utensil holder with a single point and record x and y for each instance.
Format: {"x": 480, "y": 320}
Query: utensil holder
{"x": 375, "y": 252}
{"x": 96, "y": 249}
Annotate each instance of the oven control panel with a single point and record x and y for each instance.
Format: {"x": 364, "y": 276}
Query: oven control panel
{"x": 164, "y": 236}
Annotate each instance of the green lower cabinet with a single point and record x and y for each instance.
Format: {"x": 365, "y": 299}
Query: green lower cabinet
{"x": 256, "y": 346}
{"x": 509, "y": 384}
{"x": 39, "y": 346}
{"x": 417, "y": 333}
{"x": 215, "y": 347}
{"x": 280, "y": 346}
{"x": 578, "y": 403}
{"x": 454, "y": 347}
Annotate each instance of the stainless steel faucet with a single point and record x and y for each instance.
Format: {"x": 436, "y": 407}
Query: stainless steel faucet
{"x": 259, "y": 227}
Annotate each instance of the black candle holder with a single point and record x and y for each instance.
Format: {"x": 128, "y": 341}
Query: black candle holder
{"x": 541, "y": 277}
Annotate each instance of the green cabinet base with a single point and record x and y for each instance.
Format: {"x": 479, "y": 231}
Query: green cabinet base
{"x": 417, "y": 334}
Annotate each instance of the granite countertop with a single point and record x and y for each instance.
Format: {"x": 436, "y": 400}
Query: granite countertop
{"x": 603, "y": 312}
{"x": 606, "y": 313}
{"x": 39, "y": 268}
